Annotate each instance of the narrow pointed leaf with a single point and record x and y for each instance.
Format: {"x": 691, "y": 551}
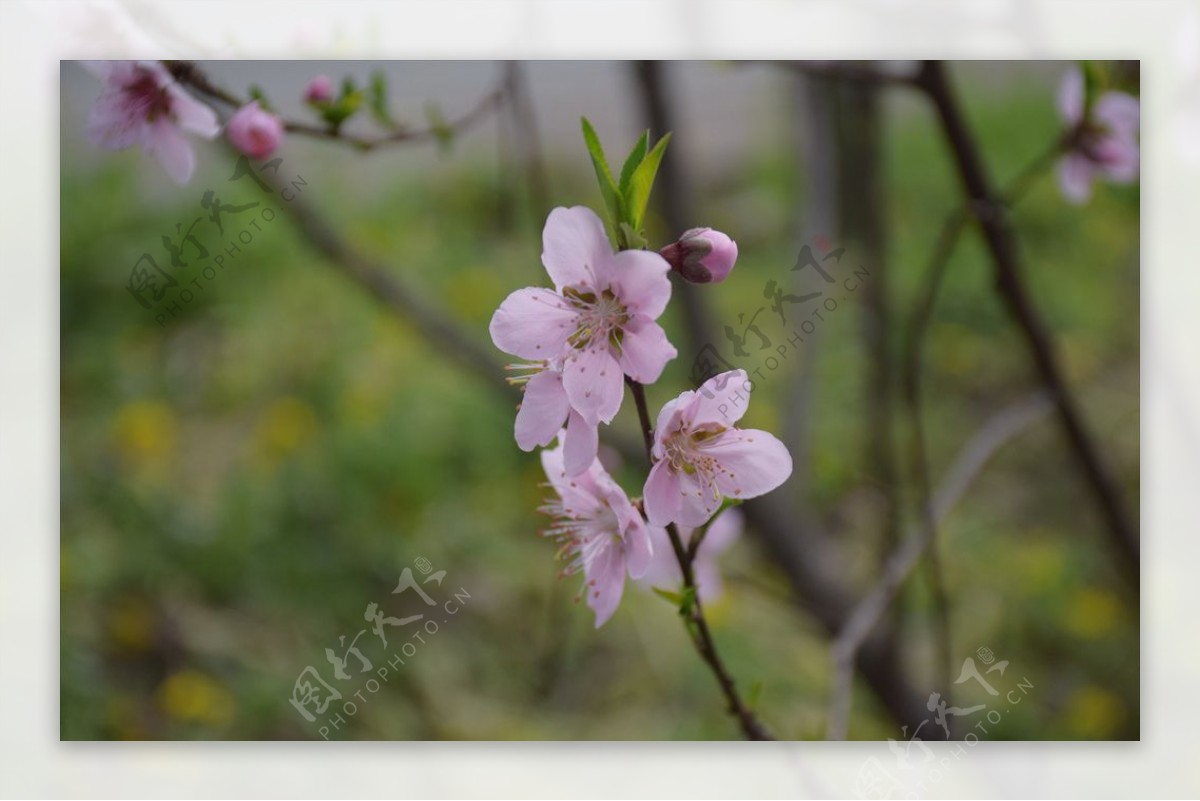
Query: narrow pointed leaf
{"x": 608, "y": 189}
{"x": 642, "y": 181}
{"x": 631, "y": 163}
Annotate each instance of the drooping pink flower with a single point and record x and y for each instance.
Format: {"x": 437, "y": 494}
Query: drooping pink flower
{"x": 545, "y": 410}
{"x": 664, "y": 571}
{"x": 598, "y": 322}
{"x": 254, "y": 131}
{"x": 142, "y": 104}
{"x": 1105, "y": 144}
{"x": 700, "y": 457}
{"x": 602, "y": 535}
{"x": 319, "y": 90}
{"x": 702, "y": 255}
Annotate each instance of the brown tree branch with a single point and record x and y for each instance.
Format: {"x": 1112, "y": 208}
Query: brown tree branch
{"x": 992, "y": 216}
{"x": 697, "y": 624}
{"x": 187, "y": 72}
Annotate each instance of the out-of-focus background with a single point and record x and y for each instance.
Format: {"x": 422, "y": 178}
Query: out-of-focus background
{"x": 241, "y": 481}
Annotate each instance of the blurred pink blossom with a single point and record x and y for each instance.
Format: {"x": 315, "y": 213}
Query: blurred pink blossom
{"x": 254, "y": 131}
{"x": 320, "y": 90}
{"x": 1104, "y": 144}
{"x": 142, "y": 104}
{"x": 664, "y": 571}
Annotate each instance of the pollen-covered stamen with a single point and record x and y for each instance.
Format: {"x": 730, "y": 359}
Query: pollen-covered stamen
{"x": 600, "y": 317}
{"x": 581, "y": 535}
{"x": 524, "y": 371}
{"x": 685, "y": 454}
{"x": 145, "y": 98}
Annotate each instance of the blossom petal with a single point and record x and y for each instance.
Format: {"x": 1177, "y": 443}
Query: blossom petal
{"x": 662, "y": 496}
{"x": 1119, "y": 111}
{"x": 581, "y": 495}
{"x": 1119, "y": 159}
{"x": 708, "y": 579}
{"x": 112, "y": 124}
{"x": 639, "y": 550}
{"x": 753, "y": 462}
{"x": 699, "y": 501}
{"x": 638, "y": 278}
{"x": 532, "y": 323}
{"x": 1075, "y": 178}
{"x": 1070, "y": 96}
{"x": 645, "y": 350}
{"x": 573, "y": 241}
{"x": 605, "y": 582}
{"x": 192, "y": 115}
{"x": 721, "y": 400}
{"x": 594, "y": 382}
{"x": 543, "y": 409}
{"x": 165, "y": 142}
{"x": 722, "y": 532}
{"x": 669, "y": 419}
{"x": 580, "y": 444}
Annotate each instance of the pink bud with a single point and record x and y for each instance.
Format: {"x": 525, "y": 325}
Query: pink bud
{"x": 254, "y": 132}
{"x": 702, "y": 255}
{"x": 320, "y": 90}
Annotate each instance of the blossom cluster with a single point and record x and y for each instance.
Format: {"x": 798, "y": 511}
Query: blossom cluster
{"x": 143, "y": 104}
{"x": 581, "y": 341}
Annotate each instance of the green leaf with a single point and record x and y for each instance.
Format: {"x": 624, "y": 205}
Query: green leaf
{"x": 256, "y": 93}
{"x": 629, "y": 239}
{"x": 377, "y": 100}
{"x": 673, "y": 598}
{"x": 637, "y": 196}
{"x": 631, "y": 163}
{"x": 608, "y": 189}
{"x": 688, "y": 602}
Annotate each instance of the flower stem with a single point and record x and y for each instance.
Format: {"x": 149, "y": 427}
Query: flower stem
{"x": 694, "y": 614}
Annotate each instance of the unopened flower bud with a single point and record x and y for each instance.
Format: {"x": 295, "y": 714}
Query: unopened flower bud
{"x": 702, "y": 255}
{"x": 320, "y": 90}
{"x": 255, "y": 132}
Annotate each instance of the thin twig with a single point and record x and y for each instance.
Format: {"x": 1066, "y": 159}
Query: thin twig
{"x": 186, "y": 72}
{"x": 995, "y": 433}
{"x": 697, "y": 624}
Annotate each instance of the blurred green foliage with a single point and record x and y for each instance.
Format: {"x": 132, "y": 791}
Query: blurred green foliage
{"x": 239, "y": 484}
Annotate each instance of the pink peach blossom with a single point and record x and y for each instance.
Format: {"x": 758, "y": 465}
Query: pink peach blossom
{"x": 1105, "y": 144}
{"x": 700, "y": 457}
{"x": 142, "y": 104}
{"x": 319, "y": 90}
{"x": 545, "y": 410}
{"x": 254, "y": 131}
{"x": 702, "y": 256}
{"x": 602, "y": 535}
{"x": 598, "y": 323}
{"x": 664, "y": 571}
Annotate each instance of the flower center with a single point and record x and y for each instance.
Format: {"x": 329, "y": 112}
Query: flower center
{"x": 600, "y": 317}
{"x": 146, "y": 98}
{"x": 581, "y": 535}
{"x": 685, "y": 453}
